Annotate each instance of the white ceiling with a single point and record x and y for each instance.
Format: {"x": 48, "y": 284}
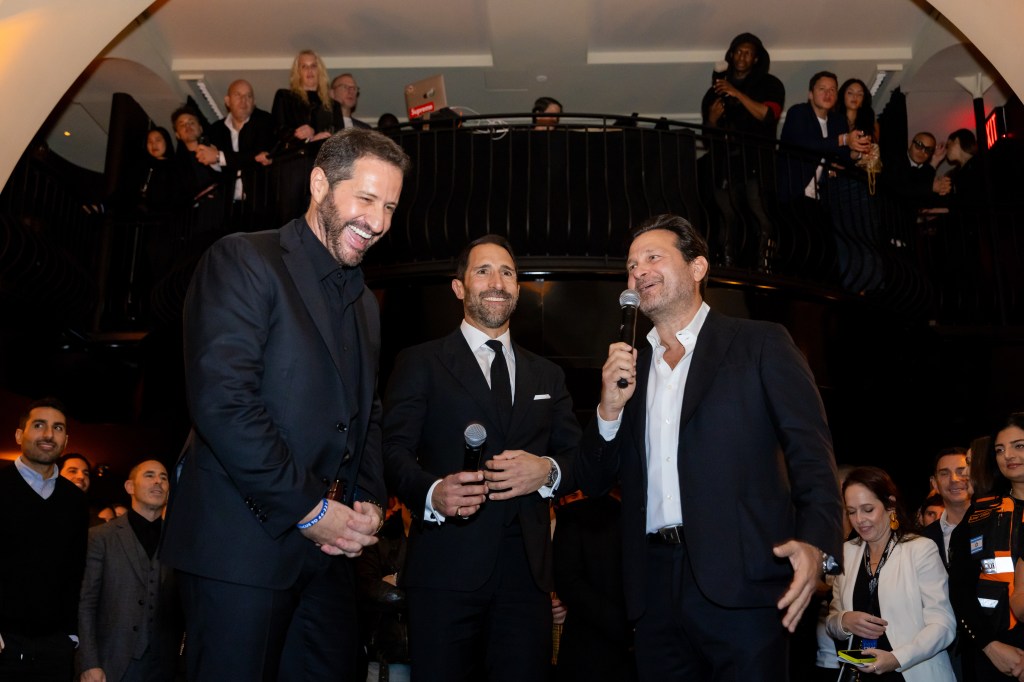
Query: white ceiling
{"x": 653, "y": 57}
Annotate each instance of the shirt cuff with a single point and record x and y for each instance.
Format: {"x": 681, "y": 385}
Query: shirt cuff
{"x": 607, "y": 429}
{"x": 429, "y": 513}
{"x": 546, "y": 491}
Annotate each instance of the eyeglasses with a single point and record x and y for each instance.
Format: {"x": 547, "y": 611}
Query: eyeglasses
{"x": 923, "y": 147}
{"x": 347, "y": 88}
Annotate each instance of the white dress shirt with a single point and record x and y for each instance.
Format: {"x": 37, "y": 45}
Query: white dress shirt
{"x": 665, "y": 392}
{"x": 477, "y": 341}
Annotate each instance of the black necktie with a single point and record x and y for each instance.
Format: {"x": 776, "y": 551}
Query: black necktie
{"x": 501, "y": 385}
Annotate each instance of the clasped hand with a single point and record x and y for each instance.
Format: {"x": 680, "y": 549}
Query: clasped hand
{"x": 343, "y": 529}
{"x": 514, "y": 473}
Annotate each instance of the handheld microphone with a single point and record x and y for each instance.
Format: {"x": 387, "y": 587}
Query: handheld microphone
{"x": 628, "y": 300}
{"x": 476, "y": 436}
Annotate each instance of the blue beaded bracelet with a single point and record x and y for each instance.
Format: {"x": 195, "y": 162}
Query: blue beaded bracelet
{"x": 313, "y": 521}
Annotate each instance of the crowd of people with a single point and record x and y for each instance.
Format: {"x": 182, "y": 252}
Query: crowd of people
{"x": 837, "y": 123}
{"x": 458, "y": 580}
{"x": 221, "y": 178}
{"x": 711, "y": 517}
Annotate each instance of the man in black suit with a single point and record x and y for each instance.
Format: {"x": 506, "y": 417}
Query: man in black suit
{"x": 911, "y": 176}
{"x": 728, "y": 480}
{"x": 282, "y": 472}
{"x": 239, "y": 144}
{"x": 952, "y": 480}
{"x": 478, "y": 575}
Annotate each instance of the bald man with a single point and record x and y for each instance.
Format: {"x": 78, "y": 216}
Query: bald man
{"x": 126, "y": 614}
{"x": 240, "y": 143}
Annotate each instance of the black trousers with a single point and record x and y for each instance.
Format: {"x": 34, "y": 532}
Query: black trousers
{"x": 253, "y": 634}
{"x": 684, "y": 636}
{"x": 501, "y": 632}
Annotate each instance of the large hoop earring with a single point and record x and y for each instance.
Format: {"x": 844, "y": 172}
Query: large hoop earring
{"x": 894, "y": 523}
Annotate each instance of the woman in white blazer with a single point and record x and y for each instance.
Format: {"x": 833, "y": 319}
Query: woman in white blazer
{"x": 893, "y": 596}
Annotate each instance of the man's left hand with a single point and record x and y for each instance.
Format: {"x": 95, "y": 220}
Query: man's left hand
{"x": 806, "y": 562}
{"x": 515, "y": 473}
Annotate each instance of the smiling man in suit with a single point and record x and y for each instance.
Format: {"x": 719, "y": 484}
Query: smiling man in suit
{"x": 127, "y": 614}
{"x": 729, "y": 499}
{"x": 281, "y": 480}
{"x": 478, "y": 573}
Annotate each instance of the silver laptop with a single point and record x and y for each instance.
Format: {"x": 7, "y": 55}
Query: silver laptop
{"x": 425, "y": 97}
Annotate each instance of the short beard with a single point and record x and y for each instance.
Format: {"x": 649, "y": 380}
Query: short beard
{"x": 39, "y": 457}
{"x": 334, "y": 231}
{"x": 488, "y": 317}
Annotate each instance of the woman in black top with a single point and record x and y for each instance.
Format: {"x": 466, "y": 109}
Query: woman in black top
{"x": 304, "y": 112}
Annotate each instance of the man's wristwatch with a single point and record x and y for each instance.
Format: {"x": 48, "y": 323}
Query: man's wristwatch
{"x": 549, "y": 482}
{"x": 829, "y": 565}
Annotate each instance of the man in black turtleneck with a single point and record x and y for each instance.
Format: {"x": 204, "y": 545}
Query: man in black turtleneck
{"x": 127, "y": 617}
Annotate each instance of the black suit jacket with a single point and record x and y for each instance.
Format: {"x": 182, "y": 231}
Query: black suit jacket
{"x": 802, "y": 129}
{"x": 272, "y": 423}
{"x": 257, "y": 135}
{"x": 934, "y": 531}
{"x": 755, "y": 465}
{"x": 435, "y": 391}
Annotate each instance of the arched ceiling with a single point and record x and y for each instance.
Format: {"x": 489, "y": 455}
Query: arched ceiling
{"x": 653, "y": 57}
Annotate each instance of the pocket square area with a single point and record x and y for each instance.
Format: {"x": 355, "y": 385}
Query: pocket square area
{"x": 542, "y": 396}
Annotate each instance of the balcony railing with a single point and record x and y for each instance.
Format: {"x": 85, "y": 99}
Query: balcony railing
{"x": 566, "y": 198}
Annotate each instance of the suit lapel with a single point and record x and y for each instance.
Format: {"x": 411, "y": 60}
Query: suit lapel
{"x": 130, "y": 545}
{"x": 712, "y": 345}
{"x": 461, "y": 362}
{"x": 303, "y": 274}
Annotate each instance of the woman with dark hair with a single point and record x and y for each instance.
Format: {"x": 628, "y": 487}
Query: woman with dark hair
{"x": 892, "y": 598}
{"x": 546, "y": 105}
{"x": 854, "y": 100}
{"x": 984, "y": 551}
{"x": 854, "y": 213}
{"x": 157, "y": 188}
{"x": 961, "y": 148}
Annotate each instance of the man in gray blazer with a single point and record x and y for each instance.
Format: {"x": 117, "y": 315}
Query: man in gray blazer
{"x": 127, "y": 620}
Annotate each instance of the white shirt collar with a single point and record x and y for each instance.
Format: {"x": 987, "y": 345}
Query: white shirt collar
{"x": 476, "y": 338}
{"x": 687, "y": 335}
{"x": 230, "y": 123}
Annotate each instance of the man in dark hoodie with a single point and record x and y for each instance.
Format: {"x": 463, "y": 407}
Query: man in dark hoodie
{"x": 746, "y": 100}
